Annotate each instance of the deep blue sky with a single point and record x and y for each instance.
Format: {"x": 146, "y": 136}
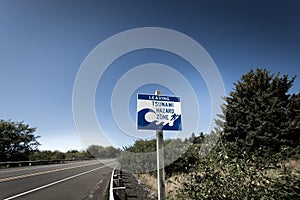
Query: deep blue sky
{"x": 43, "y": 43}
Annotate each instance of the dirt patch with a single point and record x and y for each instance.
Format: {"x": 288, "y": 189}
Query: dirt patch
{"x": 135, "y": 189}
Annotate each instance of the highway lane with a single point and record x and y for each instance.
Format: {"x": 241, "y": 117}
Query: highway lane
{"x": 19, "y": 171}
{"x": 80, "y": 180}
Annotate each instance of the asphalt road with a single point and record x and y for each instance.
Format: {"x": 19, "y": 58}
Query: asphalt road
{"x": 77, "y": 180}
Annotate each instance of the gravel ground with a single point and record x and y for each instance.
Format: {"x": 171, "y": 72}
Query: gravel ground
{"x": 135, "y": 190}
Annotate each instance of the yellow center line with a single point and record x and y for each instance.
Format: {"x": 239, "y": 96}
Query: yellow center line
{"x": 41, "y": 173}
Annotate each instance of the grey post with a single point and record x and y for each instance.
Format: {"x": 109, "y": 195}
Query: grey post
{"x": 160, "y": 161}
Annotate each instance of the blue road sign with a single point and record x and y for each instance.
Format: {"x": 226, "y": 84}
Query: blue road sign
{"x": 158, "y": 112}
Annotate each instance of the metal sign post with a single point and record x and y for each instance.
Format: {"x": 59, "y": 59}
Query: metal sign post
{"x": 157, "y": 112}
{"x": 160, "y": 160}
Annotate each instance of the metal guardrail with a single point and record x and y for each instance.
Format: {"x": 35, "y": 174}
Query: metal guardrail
{"x": 116, "y": 189}
{"x": 30, "y": 163}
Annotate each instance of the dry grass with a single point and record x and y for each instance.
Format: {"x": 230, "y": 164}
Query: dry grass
{"x": 171, "y": 184}
{"x": 148, "y": 180}
{"x": 292, "y": 165}
{"x": 174, "y": 183}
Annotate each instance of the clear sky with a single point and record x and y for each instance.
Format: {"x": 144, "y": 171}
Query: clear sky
{"x": 44, "y": 43}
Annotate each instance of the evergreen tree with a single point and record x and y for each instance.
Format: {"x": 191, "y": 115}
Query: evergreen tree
{"x": 291, "y": 134}
{"x": 259, "y": 114}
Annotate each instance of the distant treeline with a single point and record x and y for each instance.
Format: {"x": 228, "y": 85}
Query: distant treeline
{"x": 93, "y": 151}
{"x": 58, "y": 155}
{"x": 18, "y": 143}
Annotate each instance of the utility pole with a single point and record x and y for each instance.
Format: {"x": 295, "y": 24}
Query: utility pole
{"x": 160, "y": 160}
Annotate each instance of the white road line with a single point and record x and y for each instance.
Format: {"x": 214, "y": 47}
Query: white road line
{"x": 56, "y": 182}
{"x": 44, "y": 172}
{"x": 28, "y": 168}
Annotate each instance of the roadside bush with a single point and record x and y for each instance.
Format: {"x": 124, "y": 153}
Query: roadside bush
{"x": 220, "y": 177}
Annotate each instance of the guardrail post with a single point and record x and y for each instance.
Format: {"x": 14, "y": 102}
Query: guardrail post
{"x": 117, "y": 191}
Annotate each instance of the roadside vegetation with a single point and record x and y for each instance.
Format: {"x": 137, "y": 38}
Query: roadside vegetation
{"x": 257, "y": 153}
{"x": 18, "y": 143}
{"x": 93, "y": 151}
